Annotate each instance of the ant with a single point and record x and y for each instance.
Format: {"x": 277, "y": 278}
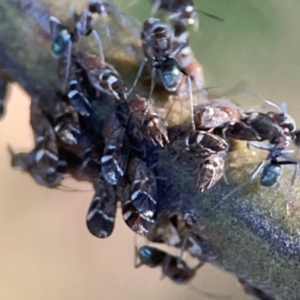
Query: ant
{"x": 277, "y": 128}
{"x": 272, "y": 171}
{"x": 159, "y": 52}
{"x": 102, "y": 76}
{"x": 62, "y": 39}
{"x": 173, "y": 267}
{"x": 281, "y": 133}
{"x": 182, "y": 10}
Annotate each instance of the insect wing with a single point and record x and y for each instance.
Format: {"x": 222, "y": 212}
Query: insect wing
{"x": 143, "y": 188}
{"x": 101, "y": 214}
{"x": 205, "y": 143}
{"x": 134, "y": 220}
{"x": 80, "y": 103}
{"x": 115, "y": 154}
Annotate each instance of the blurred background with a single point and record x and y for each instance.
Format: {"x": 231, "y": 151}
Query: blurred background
{"x": 46, "y": 252}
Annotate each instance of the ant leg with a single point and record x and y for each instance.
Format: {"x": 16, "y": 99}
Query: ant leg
{"x": 137, "y": 264}
{"x": 225, "y": 178}
{"x": 141, "y": 68}
{"x": 217, "y": 18}
{"x": 182, "y": 248}
{"x": 100, "y": 46}
{"x": 165, "y": 266}
{"x": 3, "y": 92}
{"x": 155, "y": 7}
{"x": 189, "y": 82}
{"x": 290, "y": 162}
{"x": 153, "y": 71}
{"x": 232, "y": 192}
{"x": 196, "y": 24}
{"x": 257, "y": 146}
{"x": 295, "y": 173}
{"x": 107, "y": 32}
{"x": 254, "y": 174}
{"x": 68, "y": 66}
{"x": 257, "y": 169}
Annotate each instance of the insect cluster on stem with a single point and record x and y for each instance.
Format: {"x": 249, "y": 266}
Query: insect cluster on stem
{"x": 119, "y": 152}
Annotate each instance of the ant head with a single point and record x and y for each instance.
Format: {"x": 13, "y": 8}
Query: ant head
{"x": 150, "y": 256}
{"x": 270, "y": 175}
{"x": 61, "y": 38}
{"x": 61, "y": 44}
{"x": 171, "y": 74}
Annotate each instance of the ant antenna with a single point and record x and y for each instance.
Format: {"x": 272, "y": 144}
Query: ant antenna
{"x": 155, "y": 7}
{"x": 268, "y": 102}
{"x": 191, "y": 101}
{"x": 66, "y": 188}
{"x": 100, "y": 46}
{"x": 141, "y": 68}
{"x": 212, "y": 16}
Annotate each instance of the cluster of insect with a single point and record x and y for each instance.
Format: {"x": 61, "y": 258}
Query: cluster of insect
{"x": 120, "y": 159}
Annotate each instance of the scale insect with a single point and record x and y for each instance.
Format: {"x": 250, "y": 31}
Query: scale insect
{"x": 145, "y": 123}
{"x": 41, "y": 163}
{"x": 101, "y": 214}
{"x": 143, "y": 194}
{"x": 115, "y": 153}
{"x": 136, "y": 221}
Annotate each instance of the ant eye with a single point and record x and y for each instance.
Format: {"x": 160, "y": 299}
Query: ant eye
{"x": 270, "y": 175}
{"x": 171, "y": 74}
{"x": 61, "y": 43}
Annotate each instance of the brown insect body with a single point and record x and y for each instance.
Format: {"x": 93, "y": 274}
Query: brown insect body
{"x": 66, "y": 124}
{"x": 146, "y": 123}
{"x": 215, "y": 115}
{"x": 211, "y": 170}
{"x": 205, "y": 143}
{"x": 103, "y": 77}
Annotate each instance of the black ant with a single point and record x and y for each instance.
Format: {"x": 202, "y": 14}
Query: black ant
{"x": 159, "y": 51}
{"x": 182, "y": 10}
